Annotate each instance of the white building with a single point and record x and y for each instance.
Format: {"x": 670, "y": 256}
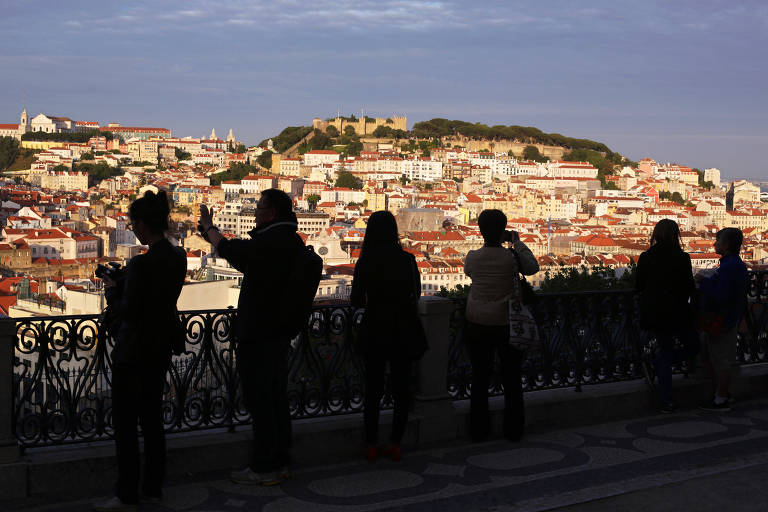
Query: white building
{"x": 712, "y": 174}
{"x": 320, "y": 156}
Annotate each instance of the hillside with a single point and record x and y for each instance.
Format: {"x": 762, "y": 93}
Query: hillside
{"x": 439, "y": 127}
{"x": 429, "y": 133}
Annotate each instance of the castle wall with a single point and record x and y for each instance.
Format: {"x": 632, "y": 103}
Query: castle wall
{"x": 360, "y": 126}
{"x": 504, "y": 146}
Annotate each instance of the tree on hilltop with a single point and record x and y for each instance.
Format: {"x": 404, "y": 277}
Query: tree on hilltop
{"x": 9, "y": 150}
{"x": 532, "y": 153}
{"x": 265, "y": 159}
{"x": 346, "y": 179}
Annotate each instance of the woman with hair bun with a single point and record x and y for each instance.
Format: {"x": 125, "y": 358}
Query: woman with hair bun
{"x": 148, "y": 321}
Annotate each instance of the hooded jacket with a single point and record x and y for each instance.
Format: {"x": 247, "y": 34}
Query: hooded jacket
{"x": 265, "y": 261}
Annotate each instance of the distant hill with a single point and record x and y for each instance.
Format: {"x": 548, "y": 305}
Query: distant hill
{"x": 574, "y": 149}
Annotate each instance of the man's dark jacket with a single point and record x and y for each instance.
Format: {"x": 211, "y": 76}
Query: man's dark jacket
{"x": 147, "y": 308}
{"x": 665, "y": 282}
{"x": 265, "y": 261}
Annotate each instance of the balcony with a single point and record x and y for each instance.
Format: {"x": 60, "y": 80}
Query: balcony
{"x": 60, "y": 369}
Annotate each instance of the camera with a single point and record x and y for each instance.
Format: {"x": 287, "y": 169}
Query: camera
{"x": 510, "y": 236}
{"x": 114, "y": 271}
{"x": 110, "y": 317}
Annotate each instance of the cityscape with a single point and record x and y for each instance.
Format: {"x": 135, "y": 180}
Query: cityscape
{"x": 67, "y": 191}
{"x": 383, "y": 255}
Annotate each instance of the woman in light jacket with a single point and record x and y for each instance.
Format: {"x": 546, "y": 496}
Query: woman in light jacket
{"x": 494, "y": 272}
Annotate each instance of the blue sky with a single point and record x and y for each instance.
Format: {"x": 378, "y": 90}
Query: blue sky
{"x": 682, "y": 81}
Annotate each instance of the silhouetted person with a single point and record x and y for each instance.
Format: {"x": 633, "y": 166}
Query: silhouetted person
{"x": 262, "y": 341}
{"x": 723, "y": 295}
{"x": 494, "y": 272}
{"x": 386, "y": 282}
{"x": 665, "y": 282}
{"x": 147, "y": 315}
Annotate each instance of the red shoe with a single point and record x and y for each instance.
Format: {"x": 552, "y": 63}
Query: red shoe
{"x": 394, "y": 451}
{"x": 371, "y": 452}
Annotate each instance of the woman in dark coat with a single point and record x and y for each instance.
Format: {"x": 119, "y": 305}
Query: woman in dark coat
{"x": 148, "y": 325}
{"x": 666, "y": 286}
{"x": 386, "y": 283}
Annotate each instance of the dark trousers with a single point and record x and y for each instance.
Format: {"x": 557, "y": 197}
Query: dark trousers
{"x": 484, "y": 342}
{"x": 137, "y": 397}
{"x": 399, "y": 382}
{"x": 263, "y": 371}
{"x": 666, "y": 356}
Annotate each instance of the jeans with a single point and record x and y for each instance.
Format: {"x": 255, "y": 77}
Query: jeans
{"x": 137, "y": 397}
{"x": 399, "y": 380}
{"x": 484, "y": 341}
{"x": 263, "y": 371}
{"x": 666, "y": 356}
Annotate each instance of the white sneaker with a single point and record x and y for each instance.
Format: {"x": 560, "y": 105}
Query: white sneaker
{"x": 114, "y": 504}
{"x": 249, "y": 477}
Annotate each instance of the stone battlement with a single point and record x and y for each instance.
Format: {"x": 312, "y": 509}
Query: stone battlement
{"x": 362, "y": 126}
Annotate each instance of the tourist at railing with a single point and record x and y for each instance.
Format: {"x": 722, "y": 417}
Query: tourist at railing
{"x": 665, "y": 282}
{"x": 263, "y": 342}
{"x": 386, "y": 283}
{"x": 146, "y": 321}
{"x": 494, "y": 293}
{"x": 723, "y": 296}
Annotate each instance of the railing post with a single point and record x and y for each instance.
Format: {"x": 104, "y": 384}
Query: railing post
{"x": 9, "y": 447}
{"x": 434, "y": 406}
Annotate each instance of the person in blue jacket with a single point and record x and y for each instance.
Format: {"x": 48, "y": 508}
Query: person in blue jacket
{"x": 723, "y": 296}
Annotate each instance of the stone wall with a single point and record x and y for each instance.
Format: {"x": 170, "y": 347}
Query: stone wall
{"x": 361, "y": 127}
{"x": 553, "y": 152}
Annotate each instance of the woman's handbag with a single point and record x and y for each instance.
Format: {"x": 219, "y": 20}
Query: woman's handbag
{"x": 523, "y": 331}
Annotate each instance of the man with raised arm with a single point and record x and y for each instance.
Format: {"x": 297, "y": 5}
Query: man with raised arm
{"x": 262, "y": 341}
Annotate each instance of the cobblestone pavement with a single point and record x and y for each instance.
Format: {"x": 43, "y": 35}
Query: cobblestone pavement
{"x": 611, "y": 466}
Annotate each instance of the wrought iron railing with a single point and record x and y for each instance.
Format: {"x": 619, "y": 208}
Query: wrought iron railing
{"x": 62, "y": 377}
{"x": 595, "y": 336}
{"x": 62, "y": 367}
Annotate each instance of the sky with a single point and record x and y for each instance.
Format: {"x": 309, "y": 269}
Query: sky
{"x": 680, "y": 81}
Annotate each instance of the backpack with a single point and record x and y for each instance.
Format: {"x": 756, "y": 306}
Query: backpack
{"x": 298, "y": 294}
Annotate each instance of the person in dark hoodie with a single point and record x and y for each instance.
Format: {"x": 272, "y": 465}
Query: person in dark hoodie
{"x": 262, "y": 343}
{"x": 666, "y": 286}
{"x": 145, "y": 305}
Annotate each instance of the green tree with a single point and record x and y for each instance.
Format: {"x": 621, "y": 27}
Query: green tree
{"x": 236, "y": 171}
{"x": 332, "y": 131}
{"x": 61, "y": 168}
{"x": 532, "y": 153}
{"x": 265, "y": 159}
{"x": 382, "y": 132}
{"x": 354, "y": 148}
{"x": 346, "y": 179}
{"x": 313, "y": 199}
{"x": 288, "y": 137}
{"x": 598, "y": 277}
{"x": 9, "y": 151}
{"x": 349, "y": 131}
{"x": 181, "y": 154}
{"x": 240, "y": 149}
{"x": 87, "y": 156}
{"x": 98, "y": 171}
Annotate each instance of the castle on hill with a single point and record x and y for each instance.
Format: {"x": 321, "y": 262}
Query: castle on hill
{"x": 362, "y": 126}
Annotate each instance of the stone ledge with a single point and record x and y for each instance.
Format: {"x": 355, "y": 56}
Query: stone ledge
{"x": 89, "y": 469}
